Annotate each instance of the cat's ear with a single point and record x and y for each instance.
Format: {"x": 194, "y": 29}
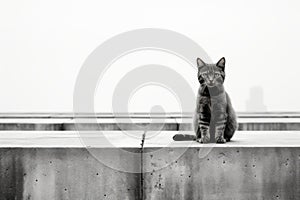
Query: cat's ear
{"x": 221, "y": 63}
{"x": 200, "y": 63}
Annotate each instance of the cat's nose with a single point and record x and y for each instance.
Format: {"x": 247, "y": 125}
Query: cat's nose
{"x": 210, "y": 82}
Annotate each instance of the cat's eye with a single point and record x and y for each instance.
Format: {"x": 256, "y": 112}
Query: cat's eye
{"x": 217, "y": 75}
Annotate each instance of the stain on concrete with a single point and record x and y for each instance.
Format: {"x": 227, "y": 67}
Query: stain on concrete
{"x": 11, "y": 174}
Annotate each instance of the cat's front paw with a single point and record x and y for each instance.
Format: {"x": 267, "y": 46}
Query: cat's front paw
{"x": 220, "y": 140}
{"x": 204, "y": 139}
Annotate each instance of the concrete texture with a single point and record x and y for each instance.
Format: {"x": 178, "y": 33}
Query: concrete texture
{"x": 132, "y": 139}
{"x": 64, "y": 173}
{"x": 225, "y": 173}
{"x": 239, "y": 139}
{"x": 264, "y": 165}
{"x": 70, "y": 139}
{"x": 57, "y": 165}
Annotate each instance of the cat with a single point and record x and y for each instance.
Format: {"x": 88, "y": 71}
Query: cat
{"x": 214, "y": 113}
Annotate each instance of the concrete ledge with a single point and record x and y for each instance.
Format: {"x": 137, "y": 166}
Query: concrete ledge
{"x": 70, "y": 139}
{"x": 133, "y": 139}
{"x": 57, "y": 165}
{"x": 240, "y": 139}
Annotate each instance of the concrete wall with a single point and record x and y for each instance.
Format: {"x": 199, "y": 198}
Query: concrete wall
{"x": 56, "y": 165}
{"x": 64, "y": 173}
{"x": 225, "y": 173}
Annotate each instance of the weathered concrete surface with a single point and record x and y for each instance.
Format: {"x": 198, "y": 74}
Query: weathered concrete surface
{"x": 56, "y": 165}
{"x": 71, "y": 139}
{"x": 132, "y": 139}
{"x": 264, "y": 165}
{"x": 225, "y": 173}
{"x": 239, "y": 139}
{"x": 65, "y": 173}
{"x": 59, "y": 165}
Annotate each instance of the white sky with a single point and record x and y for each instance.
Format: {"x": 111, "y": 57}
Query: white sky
{"x": 44, "y": 43}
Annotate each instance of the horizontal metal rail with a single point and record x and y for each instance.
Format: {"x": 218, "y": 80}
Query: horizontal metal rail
{"x": 138, "y": 121}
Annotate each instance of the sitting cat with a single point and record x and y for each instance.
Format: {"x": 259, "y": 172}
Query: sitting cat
{"x": 214, "y": 113}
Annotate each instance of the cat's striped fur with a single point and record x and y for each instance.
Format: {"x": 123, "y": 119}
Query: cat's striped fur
{"x": 214, "y": 115}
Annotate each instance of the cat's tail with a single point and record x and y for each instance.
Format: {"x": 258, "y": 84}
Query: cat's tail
{"x": 184, "y": 137}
